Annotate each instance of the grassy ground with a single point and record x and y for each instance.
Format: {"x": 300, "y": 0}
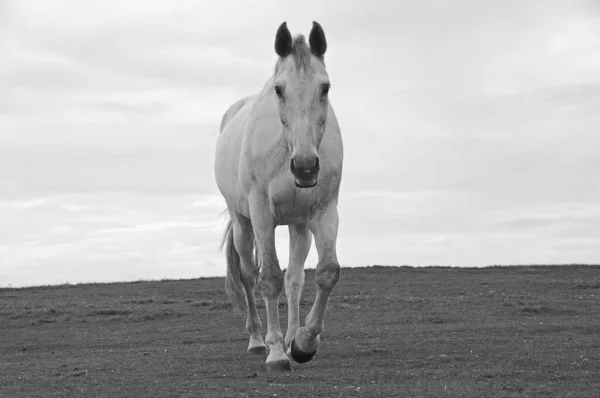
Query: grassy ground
{"x": 518, "y": 331}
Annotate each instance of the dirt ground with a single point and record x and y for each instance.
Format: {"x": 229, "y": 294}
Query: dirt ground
{"x": 390, "y": 331}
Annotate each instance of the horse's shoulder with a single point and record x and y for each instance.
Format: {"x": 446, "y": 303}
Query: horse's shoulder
{"x": 234, "y": 109}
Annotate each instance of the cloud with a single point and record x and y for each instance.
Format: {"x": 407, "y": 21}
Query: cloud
{"x": 103, "y": 237}
{"x": 175, "y": 172}
{"x": 469, "y": 130}
{"x": 125, "y": 236}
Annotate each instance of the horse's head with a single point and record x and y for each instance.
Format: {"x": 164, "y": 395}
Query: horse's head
{"x": 301, "y": 85}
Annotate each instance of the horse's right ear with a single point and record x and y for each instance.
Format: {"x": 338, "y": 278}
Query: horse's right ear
{"x": 283, "y": 41}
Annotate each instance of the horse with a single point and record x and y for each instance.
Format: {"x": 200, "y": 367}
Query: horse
{"x": 278, "y": 161}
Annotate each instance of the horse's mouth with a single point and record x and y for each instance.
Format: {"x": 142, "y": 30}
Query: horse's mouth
{"x": 306, "y": 183}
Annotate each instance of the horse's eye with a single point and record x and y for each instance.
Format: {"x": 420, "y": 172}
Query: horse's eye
{"x": 279, "y": 92}
{"x": 324, "y": 91}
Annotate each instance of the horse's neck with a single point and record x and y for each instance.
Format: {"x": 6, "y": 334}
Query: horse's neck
{"x": 262, "y": 97}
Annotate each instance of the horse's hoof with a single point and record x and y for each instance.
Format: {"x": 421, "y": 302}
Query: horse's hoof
{"x": 256, "y": 345}
{"x": 279, "y": 366}
{"x": 258, "y": 350}
{"x": 300, "y": 356}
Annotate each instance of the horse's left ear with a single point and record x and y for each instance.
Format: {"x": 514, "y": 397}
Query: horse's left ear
{"x": 317, "y": 41}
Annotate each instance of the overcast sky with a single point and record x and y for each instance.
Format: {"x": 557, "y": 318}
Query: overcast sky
{"x": 471, "y": 131}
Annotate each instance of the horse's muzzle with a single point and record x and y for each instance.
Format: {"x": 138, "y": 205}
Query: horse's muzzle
{"x": 305, "y": 170}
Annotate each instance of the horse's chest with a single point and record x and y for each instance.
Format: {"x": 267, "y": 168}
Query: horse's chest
{"x": 293, "y": 206}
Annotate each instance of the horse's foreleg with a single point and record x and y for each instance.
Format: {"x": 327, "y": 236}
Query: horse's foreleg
{"x": 300, "y": 241}
{"x": 270, "y": 283}
{"x": 324, "y": 227}
{"x": 243, "y": 239}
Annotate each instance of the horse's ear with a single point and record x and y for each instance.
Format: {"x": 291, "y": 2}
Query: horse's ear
{"x": 283, "y": 41}
{"x": 317, "y": 41}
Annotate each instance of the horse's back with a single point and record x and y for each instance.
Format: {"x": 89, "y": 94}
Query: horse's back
{"x": 234, "y": 109}
{"x": 229, "y": 146}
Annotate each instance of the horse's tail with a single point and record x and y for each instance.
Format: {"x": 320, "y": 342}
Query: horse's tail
{"x": 233, "y": 281}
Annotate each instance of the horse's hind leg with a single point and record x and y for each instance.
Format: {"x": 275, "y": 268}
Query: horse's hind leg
{"x": 324, "y": 227}
{"x": 243, "y": 239}
{"x": 270, "y": 282}
{"x": 300, "y": 241}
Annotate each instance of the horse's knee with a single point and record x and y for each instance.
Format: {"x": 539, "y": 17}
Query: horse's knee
{"x": 270, "y": 282}
{"x": 327, "y": 275}
{"x": 294, "y": 279}
{"x": 249, "y": 276}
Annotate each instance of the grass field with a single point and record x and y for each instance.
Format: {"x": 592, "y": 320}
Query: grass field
{"x": 498, "y": 331}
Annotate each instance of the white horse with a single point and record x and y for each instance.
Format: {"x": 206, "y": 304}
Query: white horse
{"x": 279, "y": 162}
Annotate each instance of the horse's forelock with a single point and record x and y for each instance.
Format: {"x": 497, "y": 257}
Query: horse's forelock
{"x": 301, "y": 53}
